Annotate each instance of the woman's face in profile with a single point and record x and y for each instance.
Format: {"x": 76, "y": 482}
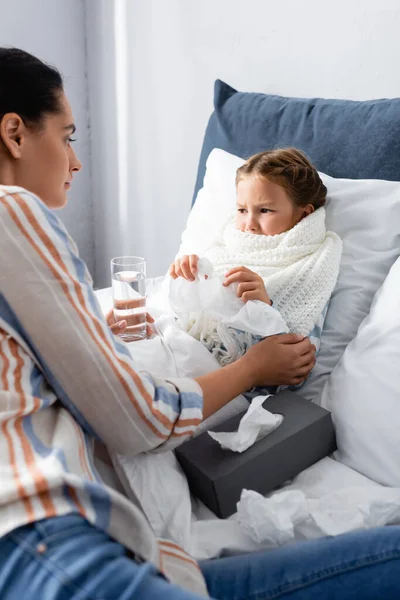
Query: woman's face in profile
{"x": 44, "y": 161}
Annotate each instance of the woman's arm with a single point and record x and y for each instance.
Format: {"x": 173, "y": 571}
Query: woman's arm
{"x": 47, "y": 293}
{"x": 276, "y": 360}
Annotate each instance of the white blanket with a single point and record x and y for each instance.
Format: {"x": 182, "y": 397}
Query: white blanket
{"x": 326, "y": 499}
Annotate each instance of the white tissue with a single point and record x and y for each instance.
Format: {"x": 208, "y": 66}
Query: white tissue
{"x": 204, "y": 295}
{"x": 256, "y": 424}
{"x": 204, "y": 268}
{"x": 257, "y": 318}
{"x": 213, "y": 314}
{"x": 272, "y": 520}
{"x": 209, "y": 295}
{"x": 291, "y": 515}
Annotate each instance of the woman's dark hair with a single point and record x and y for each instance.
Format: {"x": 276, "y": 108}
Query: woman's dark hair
{"x": 28, "y": 86}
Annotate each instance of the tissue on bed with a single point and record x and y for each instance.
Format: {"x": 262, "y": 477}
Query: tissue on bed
{"x": 292, "y": 515}
{"x": 256, "y": 424}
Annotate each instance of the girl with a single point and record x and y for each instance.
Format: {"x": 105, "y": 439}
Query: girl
{"x": 276, "y": 248}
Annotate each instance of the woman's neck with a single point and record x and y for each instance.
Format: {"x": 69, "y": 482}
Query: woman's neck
{"x": 7, "y": 173}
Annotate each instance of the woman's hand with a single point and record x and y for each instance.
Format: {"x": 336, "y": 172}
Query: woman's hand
{"x": 118, "y": 327}
{"x": 251, "y": 286}
{"x": 285, "y": 359}
{"x": 185, "y": 266}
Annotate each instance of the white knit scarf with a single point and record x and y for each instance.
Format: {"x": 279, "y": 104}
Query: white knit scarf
{"x": 299, "y": 266}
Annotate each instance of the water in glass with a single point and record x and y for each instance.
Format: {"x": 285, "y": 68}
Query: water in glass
{"x": 129, "y": 298}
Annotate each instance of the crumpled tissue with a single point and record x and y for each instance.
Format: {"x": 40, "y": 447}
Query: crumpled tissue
{"x": 256, "y": 424}
{"x": 204, "y": 295}
{"x": 208, "y": 295}
{"x": 291, "y": 515}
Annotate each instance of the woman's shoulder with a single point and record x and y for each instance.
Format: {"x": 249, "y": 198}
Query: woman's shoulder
{"x": 16, "y": 202}
{"x": 25, "y": 216}
{"x": 15, "y": 190}
{"x": 12, "y": 196}
{"x": 22, "y": 211}
{"x": 9, "y": 190}
{"x": 34, "y": 232}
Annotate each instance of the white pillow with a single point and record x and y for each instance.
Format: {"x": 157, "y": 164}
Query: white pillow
{"x": 366, "y": 215}
{"x": 363, "y": 391}
{"x": 214, "y": 203}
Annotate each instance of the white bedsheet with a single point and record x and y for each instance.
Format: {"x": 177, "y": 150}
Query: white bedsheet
{"x": 327, "y": 499}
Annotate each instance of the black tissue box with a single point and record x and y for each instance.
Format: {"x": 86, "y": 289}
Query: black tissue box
{"x": 218, "y": 476}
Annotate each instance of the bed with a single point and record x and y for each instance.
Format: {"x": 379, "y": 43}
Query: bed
{"x": 356, "y": 145}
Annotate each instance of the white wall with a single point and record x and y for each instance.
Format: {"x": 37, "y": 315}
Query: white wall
{"x": 341, "y": 48}
{"x": 109, "y": 223}
{"x": 54, "y": 30}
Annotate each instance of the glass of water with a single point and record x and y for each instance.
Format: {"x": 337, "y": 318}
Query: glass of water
{"x": 128, "y": 276}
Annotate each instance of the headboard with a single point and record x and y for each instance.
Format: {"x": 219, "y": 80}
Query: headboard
{"x": 343, "y": 138}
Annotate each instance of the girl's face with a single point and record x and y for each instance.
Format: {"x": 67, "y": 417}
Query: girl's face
{"x": 264, "y": 208}
{"x": 41, "y": 159}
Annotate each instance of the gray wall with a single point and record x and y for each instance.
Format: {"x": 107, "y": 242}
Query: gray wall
{"x": 54, "y": 30}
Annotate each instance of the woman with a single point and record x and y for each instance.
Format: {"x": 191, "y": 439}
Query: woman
{"x": 66, "y": 380}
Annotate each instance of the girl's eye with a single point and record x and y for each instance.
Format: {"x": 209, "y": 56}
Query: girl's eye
{"x": 71, "y": 140}
{"x": 241, "y": 210}
{"x": 265, "y": 210}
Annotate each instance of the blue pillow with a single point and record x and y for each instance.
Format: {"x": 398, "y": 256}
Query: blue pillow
{"x": 343, "y": 138}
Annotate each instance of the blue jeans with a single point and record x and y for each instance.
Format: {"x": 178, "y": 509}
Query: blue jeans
{"x": 66, "y": 558}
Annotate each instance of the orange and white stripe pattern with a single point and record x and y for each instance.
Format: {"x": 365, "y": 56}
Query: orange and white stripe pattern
{"x": 64, "y": 378}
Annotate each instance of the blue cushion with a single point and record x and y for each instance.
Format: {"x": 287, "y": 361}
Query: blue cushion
{"x": 343, "y": 138}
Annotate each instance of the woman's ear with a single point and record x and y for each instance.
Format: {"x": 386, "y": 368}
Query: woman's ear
{"x": 12, "y": 132}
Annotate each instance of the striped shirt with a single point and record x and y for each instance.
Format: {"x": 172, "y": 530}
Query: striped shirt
{"x": 66, "y": 380}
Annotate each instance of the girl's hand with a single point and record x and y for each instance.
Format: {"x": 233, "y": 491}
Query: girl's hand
{"x": 185, "y": 266}
{"x": 118, "y": 327}
{"x": 251, "y": 286}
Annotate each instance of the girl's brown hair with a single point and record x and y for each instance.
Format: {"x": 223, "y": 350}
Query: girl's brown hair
{"x": 291, "y": 169}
